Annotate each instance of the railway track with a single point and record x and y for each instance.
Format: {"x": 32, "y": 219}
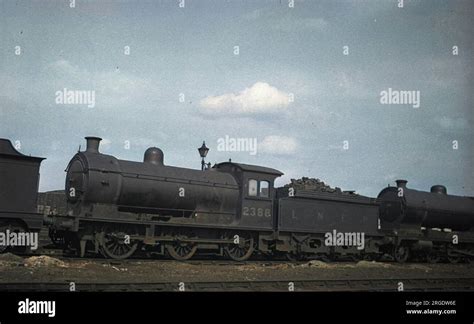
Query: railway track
{"x": 202, "y": 260}
{"x": 199, "y": 260}
{"x": 316, "y": 285}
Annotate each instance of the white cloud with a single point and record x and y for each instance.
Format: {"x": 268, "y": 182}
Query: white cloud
{"x": 280, "y": 145}
{"x": 259, "y": 98}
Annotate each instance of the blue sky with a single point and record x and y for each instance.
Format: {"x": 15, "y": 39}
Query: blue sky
{"x": 283, "y": 52}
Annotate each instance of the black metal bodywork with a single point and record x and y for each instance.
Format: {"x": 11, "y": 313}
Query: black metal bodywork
{"x": 101, "y": 186}
{"x": 253, "y": 212}
{"x": 144, "y": 187}
{"x": 318, "y": 212}
{"x": 171, "y": 206}
{"x": 306, "y": 216}
{"x": 401, "y": 206}
{"x": 176, "y": 209}
{"x": 157, "y": 204}
{"x": 19, "y": 180}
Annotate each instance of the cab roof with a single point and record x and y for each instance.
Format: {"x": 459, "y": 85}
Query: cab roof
{"x": 250, "y": 168}
{"x": 8, "y": 150}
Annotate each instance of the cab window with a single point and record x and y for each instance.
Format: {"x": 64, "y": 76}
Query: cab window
{"x": 253, "y": 187}
{"x": 264, "y": 189}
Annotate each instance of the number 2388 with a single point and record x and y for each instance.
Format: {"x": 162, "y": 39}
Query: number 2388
{"x": 259, "y": 212}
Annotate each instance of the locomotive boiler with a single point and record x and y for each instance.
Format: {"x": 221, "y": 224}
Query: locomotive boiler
{"x": 435, "y": 209}
{"x": 149, "y": 186}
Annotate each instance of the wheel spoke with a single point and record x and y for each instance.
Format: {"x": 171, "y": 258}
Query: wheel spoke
{"x": 401, "y": 253}
{"x": 181, "y": 250}
{"x": 241, "y": 251}
{"x": 115, "y": 247}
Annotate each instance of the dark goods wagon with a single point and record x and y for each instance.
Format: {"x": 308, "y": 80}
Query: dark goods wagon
{"x": 19, "y": 179}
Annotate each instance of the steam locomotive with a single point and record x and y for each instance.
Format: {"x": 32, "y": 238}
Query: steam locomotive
{"x": 117, "y": 207}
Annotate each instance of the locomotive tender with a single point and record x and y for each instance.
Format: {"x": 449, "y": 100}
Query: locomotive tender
{"x": 19, "y": 180}
{"x": 116, "y": 207}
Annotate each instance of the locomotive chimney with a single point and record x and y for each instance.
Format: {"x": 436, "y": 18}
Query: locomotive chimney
{"x": 401, "y": 183}
{"x": 439, "y": 189}
{"x": 153, "y": 155}
{"x": 93, "y": 144}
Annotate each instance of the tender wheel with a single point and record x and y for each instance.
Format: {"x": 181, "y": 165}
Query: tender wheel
{"x": 401, "y": 253}
{"x": 116, "y": 247}
{"x": 240, "y": 251}
{"x": 181, "y": 250}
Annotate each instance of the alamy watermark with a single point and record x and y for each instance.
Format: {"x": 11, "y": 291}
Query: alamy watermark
{"x": 400, "y": 97}
{"x": 75, "y": 97}
{"x": 239, "y": 144}
{"x": 28, "y": 306}
{"x": 336, "y": 238}
{"x": 15, "y": 239}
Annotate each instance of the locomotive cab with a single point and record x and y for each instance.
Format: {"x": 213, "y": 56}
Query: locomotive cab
{"x": 257, "y": 193}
